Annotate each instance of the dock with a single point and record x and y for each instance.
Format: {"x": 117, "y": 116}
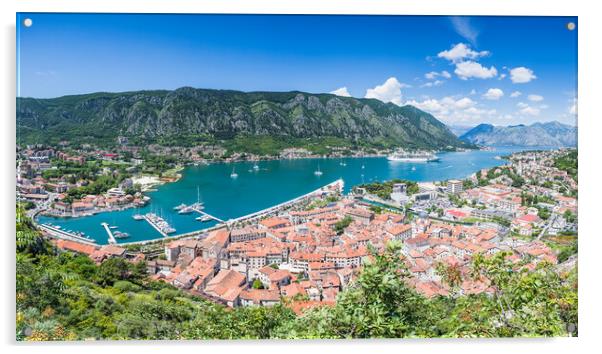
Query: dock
{"x": 208, "y": 215}
{"x": 155, "y": 226}
{"x": 112, "y": 239}
{"x": 62, "y": 234}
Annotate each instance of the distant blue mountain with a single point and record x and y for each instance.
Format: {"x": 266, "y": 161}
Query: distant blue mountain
{"x": 537, "y": 134}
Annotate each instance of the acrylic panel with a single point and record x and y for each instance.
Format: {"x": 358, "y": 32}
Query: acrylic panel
{"x": 205, "y": 176}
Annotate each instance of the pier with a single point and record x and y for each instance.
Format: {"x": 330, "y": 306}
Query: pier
{"x": 155, "y": 226}
{"x": 198, "y": 210}
{"x": 61, "y": 234}
{"x": 112, "y": 239}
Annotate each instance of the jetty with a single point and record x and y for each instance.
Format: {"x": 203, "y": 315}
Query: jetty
{"x": 198, "y": 210}
{"x": 149, "y": 218}
{"x": 62, "y": 234}
{"x": 112, "y": 239}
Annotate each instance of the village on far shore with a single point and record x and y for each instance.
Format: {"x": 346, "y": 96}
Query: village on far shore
{"x": 314, "y": 248}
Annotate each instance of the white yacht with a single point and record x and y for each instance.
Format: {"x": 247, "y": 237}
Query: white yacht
{"x": 318, "y": 172}
{"x": 417, "y": 156}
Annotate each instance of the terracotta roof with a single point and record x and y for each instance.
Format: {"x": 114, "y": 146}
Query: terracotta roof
{"x": 75, "y": 247}
{"x": 226, "y": 284}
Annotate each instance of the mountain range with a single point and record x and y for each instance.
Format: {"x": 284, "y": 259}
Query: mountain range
{"x": 226, "y": 114}
{"x": 553, "y": 134}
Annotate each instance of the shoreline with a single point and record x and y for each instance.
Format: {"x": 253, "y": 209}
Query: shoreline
{"x": 157, "y": 182}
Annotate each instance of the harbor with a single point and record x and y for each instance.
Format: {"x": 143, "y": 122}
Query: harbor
{"x": 257, "y": 193}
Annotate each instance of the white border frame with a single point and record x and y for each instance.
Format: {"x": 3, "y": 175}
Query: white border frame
{"x": 589, "y": 106}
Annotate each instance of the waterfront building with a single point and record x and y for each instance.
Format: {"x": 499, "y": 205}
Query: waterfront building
{"x": 454, "y": 186}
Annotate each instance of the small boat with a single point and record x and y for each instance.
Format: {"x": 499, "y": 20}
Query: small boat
{"x": 203, "y": 218}
{"x": 318, "y": 172}
{"x": 256, "y": 167}
{"x": 363, "y": 167}
{"x": 181, "y": 206}
{"x": 186, "y": 210}
{"x": 233, "y": 174}
{"x": 119, "y": 234}
{"x": 138, "y": 217}
{"x": 112, "y": 227}
{"x": 413, "y": 168}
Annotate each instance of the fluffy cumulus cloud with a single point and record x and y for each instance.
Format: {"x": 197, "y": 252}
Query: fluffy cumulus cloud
{"x": 341, "y": 92}
{"x": 493, "y": 94}
{"x": 454, "y": 110}
{"x": 389, "y": 91}
{"x": 470, "y": 69}
{"x": 515, "y": 94}
{"x": 522, "y": 75}
{"x": 461, "y": 52}
{"x": 526, "y": 109}
{"x": 535, "y": 98}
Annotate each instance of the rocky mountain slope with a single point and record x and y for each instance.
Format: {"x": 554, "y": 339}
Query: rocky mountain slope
{"x": 538, "y": 134}
{"x": 224, "y": 114}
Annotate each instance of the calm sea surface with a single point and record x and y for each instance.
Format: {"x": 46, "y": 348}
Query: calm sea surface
{"x": 274, "y": 182}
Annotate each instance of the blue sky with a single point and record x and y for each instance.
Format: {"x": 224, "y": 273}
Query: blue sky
{"x": 463, "y": 70}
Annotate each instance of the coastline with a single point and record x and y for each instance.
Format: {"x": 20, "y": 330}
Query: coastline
{"x": 156, "y": 181}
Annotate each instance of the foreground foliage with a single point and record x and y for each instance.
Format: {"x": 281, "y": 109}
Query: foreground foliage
{"x": 68, "y": 297}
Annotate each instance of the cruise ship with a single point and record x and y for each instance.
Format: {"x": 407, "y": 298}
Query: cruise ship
{"x": 417, "y": 156}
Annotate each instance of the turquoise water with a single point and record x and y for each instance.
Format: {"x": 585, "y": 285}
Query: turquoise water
{"x": 274, "y": 182}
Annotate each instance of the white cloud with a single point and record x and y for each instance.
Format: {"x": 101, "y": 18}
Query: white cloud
{"x": 431, "y": 75}
{"x": 515, "y": 94}
{"x": 502, "y": 77}
{"x": 460, "y": 52}
{"x": 494, "y": 94}
{"x": 341, "y": 92}
{"x": 527, "y": 109}
{"x": 452, "y": 109}
{"x": 433, "y": 83}
{"x": 532, "y": 111}
{"x": 521, "y": 75}
{"x": 389, "y": 91}
{"x": 464, "y": 103}
{"x": 464, "y": 28}
{"x": 535, "y": 98}
{"x": 429, "y": 105}
{"x": 573, "y": 107}
{"x": 468, "y": 69}
{"x": 473, "y": 92}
